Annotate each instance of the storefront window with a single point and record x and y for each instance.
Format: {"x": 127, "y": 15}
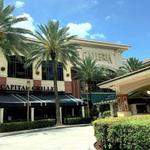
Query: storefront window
{"x": 16, "y": 68}
{"x": 47, "y": 71}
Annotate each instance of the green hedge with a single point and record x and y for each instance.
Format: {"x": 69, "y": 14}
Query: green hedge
{"x": 106, "y": 114}
{"x": 16, "y": 126}
{"x": 127, "y": 133}
{"x": 76, "y": 120}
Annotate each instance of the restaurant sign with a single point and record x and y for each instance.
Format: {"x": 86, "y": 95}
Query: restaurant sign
{"x": 25, "y": 88}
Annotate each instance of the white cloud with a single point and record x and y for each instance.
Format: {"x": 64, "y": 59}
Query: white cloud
{"x": 95, "y": 2}
{"x": 19, "y": 4}
{"x": 98, "y": 36}
{"x": 26, "y": 24}
{"x": 81, "y": 30}
{"x": 107, "y": 18}
{"x": 89, "y": 4}
{"x": 119, "y": 42}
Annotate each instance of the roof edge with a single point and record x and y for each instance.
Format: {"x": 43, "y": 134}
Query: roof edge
{"x": 123, "y": 76}
{"x": 102, "y": 43}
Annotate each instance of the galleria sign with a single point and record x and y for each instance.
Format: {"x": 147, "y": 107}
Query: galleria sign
{"x": 98, "y": 56}
{"x": 24, "y": 88}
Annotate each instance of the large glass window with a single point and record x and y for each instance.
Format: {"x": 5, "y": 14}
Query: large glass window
{"x": 47, "y": 71}
{"x": 16, "y": 68}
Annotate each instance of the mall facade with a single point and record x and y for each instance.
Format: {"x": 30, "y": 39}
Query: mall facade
{"x": 18, "y": 85}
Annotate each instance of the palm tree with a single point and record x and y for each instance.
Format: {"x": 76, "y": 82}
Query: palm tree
{"x": 132, "y": 64}
{"x": 53, "y": 43}
{"x": 86, "y": 71}
{"x": 12, "y": 39}
{"x": 103, "y": 74}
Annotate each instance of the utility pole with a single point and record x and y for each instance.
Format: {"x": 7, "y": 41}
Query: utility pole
{"x": 28, "y": 98}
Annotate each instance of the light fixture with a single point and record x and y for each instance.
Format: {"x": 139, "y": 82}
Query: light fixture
{"x": 2, "y": 68}
{"x": 67, "y": 75}
{"x": 148, "y": 92}
{"x": 37, "y": 72}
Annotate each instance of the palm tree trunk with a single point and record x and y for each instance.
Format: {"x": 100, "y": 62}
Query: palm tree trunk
{"x": 58, "y": 121}
{"x": 89, "y": 98}
{"x": 57, "y": 104}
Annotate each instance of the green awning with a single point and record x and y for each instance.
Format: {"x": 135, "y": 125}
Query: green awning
{"x": 101, "y": 97}
{"x": 14, "y": 99}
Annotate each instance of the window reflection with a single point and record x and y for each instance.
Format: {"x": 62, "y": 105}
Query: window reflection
{"x": 16, "y": 68}
{"x": 47, "y": 71}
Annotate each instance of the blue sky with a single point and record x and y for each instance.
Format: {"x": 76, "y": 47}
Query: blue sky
{"x": 121, "y": 21}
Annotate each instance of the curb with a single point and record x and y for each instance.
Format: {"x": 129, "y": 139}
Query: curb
{"x": 41, "y": 129}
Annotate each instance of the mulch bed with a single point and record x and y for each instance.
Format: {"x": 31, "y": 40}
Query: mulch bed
{"x": 97, "y": 146}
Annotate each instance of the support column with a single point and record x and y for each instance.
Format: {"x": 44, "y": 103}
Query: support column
{"x": 32, "y": 114}
{"x": 60, "y": 114}
{"x": 133, "y": 109}
{"x": 123, "y": 107}
{"x": 112, "y": 109}
{"x": 72, "y": 112}
{"x": 148, "y": 108}
{"x": 83, "y": 112}
{"x": 1, "y": 115}
{"x": 98, "y": 108}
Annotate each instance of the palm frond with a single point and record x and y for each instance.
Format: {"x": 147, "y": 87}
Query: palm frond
{"x": 12, "y": 39}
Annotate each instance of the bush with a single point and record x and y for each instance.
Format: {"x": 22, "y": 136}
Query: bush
{"x": 16, "y": 126}
{"x": 76, "y": 120}
{"x": 106, "y": 114}
{"x": 128, "y": 133}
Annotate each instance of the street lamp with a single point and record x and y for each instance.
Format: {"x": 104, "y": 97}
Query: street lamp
{"x": 28, "y": 94}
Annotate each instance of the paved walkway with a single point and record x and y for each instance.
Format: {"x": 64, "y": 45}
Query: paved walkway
{"x": 74, "y": 138}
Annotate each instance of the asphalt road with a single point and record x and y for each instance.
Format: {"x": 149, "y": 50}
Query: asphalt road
{"x": 75, "y": 138}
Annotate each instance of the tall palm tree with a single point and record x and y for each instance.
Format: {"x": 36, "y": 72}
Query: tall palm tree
{"x": 53, "y": 43}
{"x": 86, "y": 71}
{"x": 12, "y": 39}
{"x": 103, "y": 74}
{"x": 132, "y": 64}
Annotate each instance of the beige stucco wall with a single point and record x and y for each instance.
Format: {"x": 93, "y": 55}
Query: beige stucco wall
{"x": 50, "y": 84}
{"x": 67, "y": 72}
{"x": 108, "y": 57}
{"x": 3, "y": 63}
{"x": 17, "y": 81}
{"x": 34, "y": 70}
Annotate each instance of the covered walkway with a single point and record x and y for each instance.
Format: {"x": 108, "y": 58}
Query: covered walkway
{"x": 125, "y": 85}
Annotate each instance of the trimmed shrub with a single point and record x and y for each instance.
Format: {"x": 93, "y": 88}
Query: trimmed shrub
{"x": 16, "y": 126}
{"x": 106, "y": 114}
{"x": 76, "y": 120}
{"x": 127, "y": 133}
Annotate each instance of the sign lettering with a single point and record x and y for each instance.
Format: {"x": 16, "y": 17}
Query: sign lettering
{"x": 24, "y": 88}
{"x": 98, "y": 56}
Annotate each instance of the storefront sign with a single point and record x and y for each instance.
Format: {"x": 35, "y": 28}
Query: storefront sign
{"x": 25, "y": 88}
{"x": 98, "y": 56}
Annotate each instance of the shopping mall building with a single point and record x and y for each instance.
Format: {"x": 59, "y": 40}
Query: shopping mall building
{"x": 16, "y": 82}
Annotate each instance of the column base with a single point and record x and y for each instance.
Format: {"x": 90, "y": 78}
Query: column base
{"x": 123, "y": 113}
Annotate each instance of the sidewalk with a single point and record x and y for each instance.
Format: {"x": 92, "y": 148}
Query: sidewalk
{"x": 41, "y": 129}
{"x": 74, "y": 137}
